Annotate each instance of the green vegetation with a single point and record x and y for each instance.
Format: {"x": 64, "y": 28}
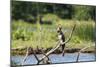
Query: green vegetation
{"x": 29, "y": 11}
{"x": 25, "y": 34}
{"x": 34, "y": 24}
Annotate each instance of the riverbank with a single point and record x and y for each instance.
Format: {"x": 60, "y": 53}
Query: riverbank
{"x": 44, "y": 36}
{"x": 22, "y": 51}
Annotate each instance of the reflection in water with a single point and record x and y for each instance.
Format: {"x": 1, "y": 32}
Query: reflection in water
{"x": 56, "y": 58}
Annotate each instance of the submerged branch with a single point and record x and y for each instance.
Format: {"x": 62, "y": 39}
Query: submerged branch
{"x": 35, "y": 56}
{"x": 48, "y": 53}
{"x": 81, "y": 51}
{"x": 27, "y": 53}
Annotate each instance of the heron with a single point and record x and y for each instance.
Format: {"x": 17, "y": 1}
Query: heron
{"x": 61, "y": 38}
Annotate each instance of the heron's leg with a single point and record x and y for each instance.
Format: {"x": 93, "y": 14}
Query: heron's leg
{"x": 63, "y": 47}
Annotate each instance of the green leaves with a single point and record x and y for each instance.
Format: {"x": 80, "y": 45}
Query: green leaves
{"x": 21, "y": 34}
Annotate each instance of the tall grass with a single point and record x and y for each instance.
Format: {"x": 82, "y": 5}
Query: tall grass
{"x": 25, "y": 34}
{"x": 85, "y": 31}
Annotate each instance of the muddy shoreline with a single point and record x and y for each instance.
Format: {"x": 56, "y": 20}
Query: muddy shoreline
{"x": 22, "y": 51}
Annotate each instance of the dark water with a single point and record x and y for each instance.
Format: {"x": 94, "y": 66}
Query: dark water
{"x": 56, "y": 58}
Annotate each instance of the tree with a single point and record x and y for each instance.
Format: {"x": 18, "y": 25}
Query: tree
{"x": 84, "y": 12}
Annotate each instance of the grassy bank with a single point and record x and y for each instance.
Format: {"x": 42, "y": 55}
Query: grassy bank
{"x": 26, "y": 34}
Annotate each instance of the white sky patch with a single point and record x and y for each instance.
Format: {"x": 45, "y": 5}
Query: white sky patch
{"x": 80, "y": 2}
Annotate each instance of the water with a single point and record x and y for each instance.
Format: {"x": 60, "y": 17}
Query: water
{"x": 56, "y": 58}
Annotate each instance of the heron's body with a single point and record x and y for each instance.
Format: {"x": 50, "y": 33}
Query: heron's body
{"x": 61, "y": 38}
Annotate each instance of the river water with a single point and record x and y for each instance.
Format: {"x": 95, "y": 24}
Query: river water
{"x": 56, "y": 58}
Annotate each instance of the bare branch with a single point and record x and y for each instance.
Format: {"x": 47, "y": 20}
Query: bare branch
{"x": 52, "y": 50}
{"x": 58, "y": 45}
{"x": 81, "y": 51}
{"x": 27, "y": 53}
{"x": 70, "y": 36}
{"x": 35, "y": 56}
{"x": 48, "y": 53}
{"x": 45, "y": 54}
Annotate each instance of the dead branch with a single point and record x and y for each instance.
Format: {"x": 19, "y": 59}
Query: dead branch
{"x": 46, "y": 60}
{"x": 35, "y": 56}
{"x": 81, "y": 51}
{"x": 58, "y": 45}
{"x": 51, "y": 51}
{"x": 27, "y": 53}
{"x": 70, "y": 36}
{"x": 48, "y": 53}
{"x": 45, "y": 55}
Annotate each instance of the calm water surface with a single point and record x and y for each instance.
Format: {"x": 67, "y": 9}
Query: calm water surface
{"x": 56, "y": 58}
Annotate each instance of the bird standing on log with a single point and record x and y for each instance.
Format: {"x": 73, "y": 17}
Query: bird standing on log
{"x": 61, "y": 38}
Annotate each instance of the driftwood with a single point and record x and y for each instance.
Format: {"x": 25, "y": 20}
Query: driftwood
{"x": 58, "y": 45}
{"x": 49, "y": 52}
{"x": 77, "y": 60}
{"x": 27, "y": 52}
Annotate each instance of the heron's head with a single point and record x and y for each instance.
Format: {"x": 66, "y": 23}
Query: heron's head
{"x": 59, "y": 29}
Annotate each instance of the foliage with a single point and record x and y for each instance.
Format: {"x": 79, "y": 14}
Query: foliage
{"x": 23, "y": 10}
{"x": 46, "y": 35}
{"x": 27, "y": 17}
{"x": 84, "y": 12}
